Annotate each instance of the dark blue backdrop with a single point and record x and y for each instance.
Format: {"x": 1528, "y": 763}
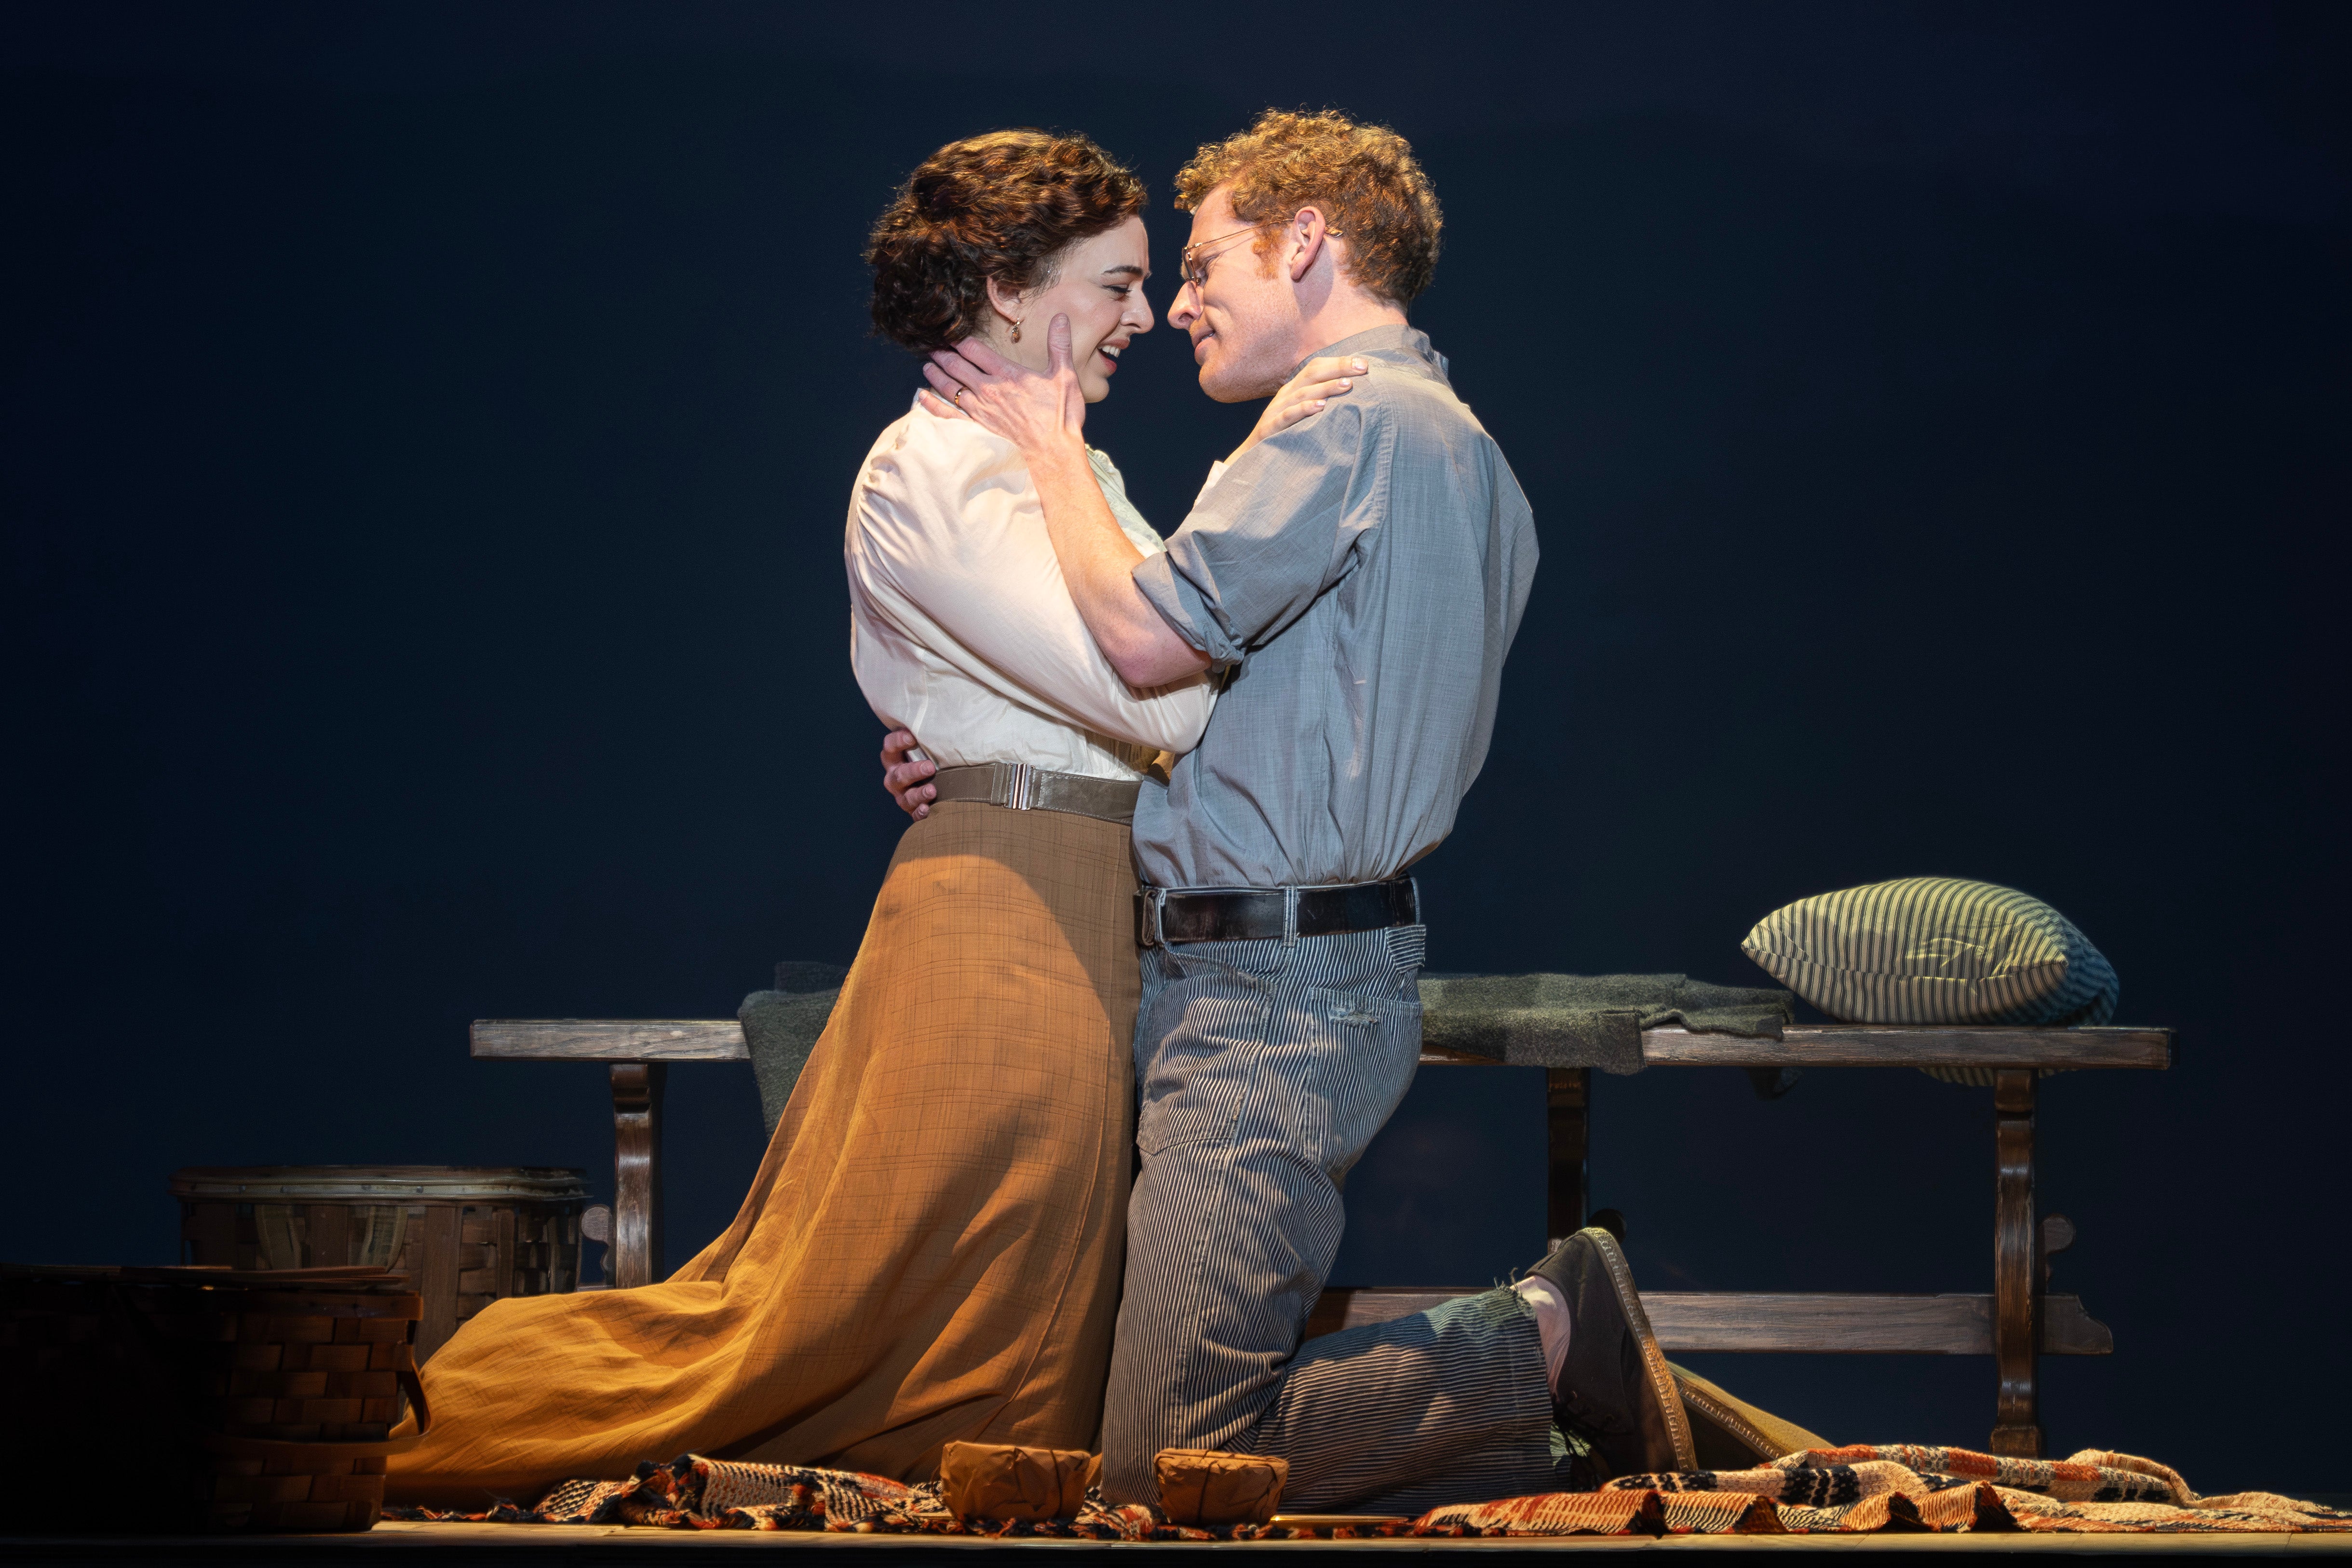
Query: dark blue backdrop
{"x": 425, "y": 437}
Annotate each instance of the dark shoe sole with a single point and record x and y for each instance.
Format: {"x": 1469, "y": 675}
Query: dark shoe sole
{"x": 1654, "y": 1360}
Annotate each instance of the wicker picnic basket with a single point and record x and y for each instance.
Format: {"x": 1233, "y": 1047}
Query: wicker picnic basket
{"x": 464, "y": 1234}
{"x": 187, "y": 1399}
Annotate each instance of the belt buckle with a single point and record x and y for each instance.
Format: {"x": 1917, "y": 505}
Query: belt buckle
{"x": 1150, "y": 902}
{"x": 1021, "y": 787}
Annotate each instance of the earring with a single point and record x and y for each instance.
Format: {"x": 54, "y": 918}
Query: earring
{"x": 1016, "y": 331}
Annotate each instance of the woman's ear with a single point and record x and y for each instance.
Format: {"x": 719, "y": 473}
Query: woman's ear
{"x": 1005, "y": 300}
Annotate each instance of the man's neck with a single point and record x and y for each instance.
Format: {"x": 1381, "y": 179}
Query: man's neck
{"x": 1339, "y": 319}
{"x": 1342, "y": 317}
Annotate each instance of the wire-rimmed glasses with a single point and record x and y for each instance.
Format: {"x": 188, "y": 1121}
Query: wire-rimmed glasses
{"x": 1194, "y": 267}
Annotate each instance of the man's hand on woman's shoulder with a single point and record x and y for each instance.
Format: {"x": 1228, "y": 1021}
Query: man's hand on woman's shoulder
{"x": 1309, "y": 392}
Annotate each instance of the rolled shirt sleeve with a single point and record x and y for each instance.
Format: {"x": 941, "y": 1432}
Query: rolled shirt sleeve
{"x": 1270, "y": 534}
{"x": 1370, "y": 564}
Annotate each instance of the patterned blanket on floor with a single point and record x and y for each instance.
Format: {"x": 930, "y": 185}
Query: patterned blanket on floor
{"x": 1858, "y": 1489}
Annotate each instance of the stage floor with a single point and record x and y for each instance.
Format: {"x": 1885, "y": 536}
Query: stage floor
{"x": 607, "y": 1547}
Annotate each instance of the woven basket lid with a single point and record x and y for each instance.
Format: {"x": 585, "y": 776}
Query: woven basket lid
{"x": 381, "y": 1184}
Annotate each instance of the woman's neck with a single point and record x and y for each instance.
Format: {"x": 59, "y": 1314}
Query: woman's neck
{"x": 1029, "y": 353}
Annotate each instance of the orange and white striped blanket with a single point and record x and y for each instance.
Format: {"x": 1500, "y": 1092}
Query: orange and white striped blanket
{"x": 1845, "y": 1490}
{"x": 1895, "y": 1487}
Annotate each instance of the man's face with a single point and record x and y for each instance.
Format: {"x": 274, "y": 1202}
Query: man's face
{"x": 1244, "y": 318}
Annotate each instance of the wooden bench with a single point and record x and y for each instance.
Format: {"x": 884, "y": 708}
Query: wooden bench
{"x": 2016, "y": 1323}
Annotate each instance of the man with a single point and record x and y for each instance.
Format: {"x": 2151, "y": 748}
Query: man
{"x": 1356, "y": 580}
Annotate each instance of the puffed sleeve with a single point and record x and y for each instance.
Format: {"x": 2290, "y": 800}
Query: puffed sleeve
{"x": 955, "y": 555}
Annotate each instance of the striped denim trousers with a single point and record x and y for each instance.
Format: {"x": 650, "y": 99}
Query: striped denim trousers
{"x": 1265, "y": 1068}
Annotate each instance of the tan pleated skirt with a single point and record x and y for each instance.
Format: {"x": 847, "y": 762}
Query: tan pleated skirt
{"x": 931, "y": 1251}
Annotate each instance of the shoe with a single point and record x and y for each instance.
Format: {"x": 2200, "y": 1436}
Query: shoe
{"x": 1615, "y": 1392}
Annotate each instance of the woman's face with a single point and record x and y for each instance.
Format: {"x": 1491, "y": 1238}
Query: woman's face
{"x": 1099, "y": 286}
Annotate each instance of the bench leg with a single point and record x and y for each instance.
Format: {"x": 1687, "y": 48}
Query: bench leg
{"x": 636, "y": 1171}
{"x": 2016, "y": 1268}
{"x": 1566, "y": 1133}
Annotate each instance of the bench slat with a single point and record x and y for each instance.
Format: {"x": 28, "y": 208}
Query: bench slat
{"x": 611, "y": 1040}
{"x": 1837, "y": 1044}
{"x": 1922, "y": 1045}
{"x": 1693, "y": 1322}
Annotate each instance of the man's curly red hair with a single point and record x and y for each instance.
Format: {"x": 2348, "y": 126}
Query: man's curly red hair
{"x": 1364, "y": 179}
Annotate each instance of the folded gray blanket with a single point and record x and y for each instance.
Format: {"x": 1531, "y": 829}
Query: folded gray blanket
{"x": 1586, "y": 1020}
{"x": 781, "y": 1027}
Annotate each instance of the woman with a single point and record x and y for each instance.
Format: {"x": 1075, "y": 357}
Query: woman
{"x": 931, "y": 1249}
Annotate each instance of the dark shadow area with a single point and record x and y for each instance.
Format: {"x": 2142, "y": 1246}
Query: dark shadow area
{"x": 1482, "y": 1128}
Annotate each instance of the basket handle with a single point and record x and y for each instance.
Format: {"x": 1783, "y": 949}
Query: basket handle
{"x": 287, "y": 1448}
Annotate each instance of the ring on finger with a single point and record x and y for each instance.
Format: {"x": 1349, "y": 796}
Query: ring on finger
{"x": 958, "y": 398}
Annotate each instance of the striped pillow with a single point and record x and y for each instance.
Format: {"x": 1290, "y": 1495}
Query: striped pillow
{"x": 1936, "y": 950}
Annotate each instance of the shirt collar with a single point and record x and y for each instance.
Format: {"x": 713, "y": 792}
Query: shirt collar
{"x": 1395, "y": 344}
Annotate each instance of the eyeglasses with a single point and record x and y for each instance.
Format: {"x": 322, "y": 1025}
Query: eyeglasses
{"x": 1194, "y": 267}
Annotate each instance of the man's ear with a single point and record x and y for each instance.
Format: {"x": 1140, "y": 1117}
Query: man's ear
{"x": 1305, "y": 240}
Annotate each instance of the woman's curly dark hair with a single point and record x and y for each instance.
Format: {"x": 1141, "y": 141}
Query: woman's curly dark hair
{"x": 1003, "y": 205}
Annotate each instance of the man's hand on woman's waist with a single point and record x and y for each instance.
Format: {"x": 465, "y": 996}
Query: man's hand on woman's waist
{"x": 907, "y": 778}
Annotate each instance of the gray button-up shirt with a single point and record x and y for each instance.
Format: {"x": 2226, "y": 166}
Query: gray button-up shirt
{"x": 1358, "y": 578}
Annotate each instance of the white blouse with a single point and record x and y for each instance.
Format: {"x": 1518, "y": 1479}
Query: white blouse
{"x": 961, "y": 628}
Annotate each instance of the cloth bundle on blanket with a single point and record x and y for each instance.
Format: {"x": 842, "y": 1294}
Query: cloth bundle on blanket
{"x": 1013, "y": 1481}
{"x": 1844, "y": 1490}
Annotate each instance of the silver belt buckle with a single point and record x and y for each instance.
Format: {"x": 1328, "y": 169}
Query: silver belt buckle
{"x": 1150, "y": 905}
{"x": 1021, "y": 788}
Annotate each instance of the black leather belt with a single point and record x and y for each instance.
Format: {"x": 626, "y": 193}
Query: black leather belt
{"x": 1021, "y": 787}
{"x": 1248, "y": 915}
